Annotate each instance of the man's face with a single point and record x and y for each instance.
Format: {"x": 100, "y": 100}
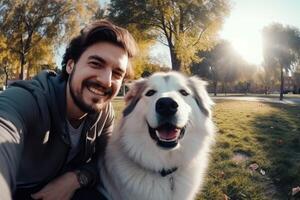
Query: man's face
{"x": 97, "y": 76}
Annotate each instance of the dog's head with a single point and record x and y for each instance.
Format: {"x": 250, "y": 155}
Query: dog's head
{"x": 167, "y": 113}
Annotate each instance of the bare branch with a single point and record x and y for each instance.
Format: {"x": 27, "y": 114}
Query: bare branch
{"x": 200, "y": 36}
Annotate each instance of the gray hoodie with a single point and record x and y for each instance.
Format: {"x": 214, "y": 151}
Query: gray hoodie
{"x": 34, "y": 139}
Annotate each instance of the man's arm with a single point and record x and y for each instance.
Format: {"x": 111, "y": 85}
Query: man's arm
{"x": 64, "y": 186}
{"x": 10, "y": 150}
{"x": 17, "y": 107}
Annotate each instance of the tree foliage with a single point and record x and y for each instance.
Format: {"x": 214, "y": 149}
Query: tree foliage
{"x": 31, "y": 26}
{"x": 7, "y": 61}
{"x": 185, "y": 26}
{"x": 222, "y": 64}
{"x": 281, "y": 49}
{"x": 142, "y": 61}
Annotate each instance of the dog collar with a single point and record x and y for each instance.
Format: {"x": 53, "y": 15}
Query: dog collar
{"x": 165, "y": 172}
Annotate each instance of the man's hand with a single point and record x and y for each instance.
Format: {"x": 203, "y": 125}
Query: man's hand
{"x": 61, "y": 188}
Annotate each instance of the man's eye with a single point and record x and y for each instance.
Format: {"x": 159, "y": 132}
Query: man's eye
{"x": 95, "y": 64}
{"x": 117, "y": 75}
{"x": 183, "y": 92}
{"x": 150, "y": 93}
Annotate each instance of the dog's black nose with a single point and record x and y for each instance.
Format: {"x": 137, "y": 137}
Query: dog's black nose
{"x": 166, "y": 106}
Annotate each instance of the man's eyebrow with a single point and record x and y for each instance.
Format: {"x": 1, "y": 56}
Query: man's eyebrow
{"x": 98, "y": 58}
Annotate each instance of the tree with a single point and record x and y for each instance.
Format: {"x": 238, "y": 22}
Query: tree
{"x": 7, "y": 60}
{"x": 40, "y": 57}
{"x": 185, "y": 26}
{"x": 281, "y": 49}
{"x": 142, "y": 61}
{"x": 26, "y": 24}
{"x": 220, "y": 64}
{"x": 296, "y": 77}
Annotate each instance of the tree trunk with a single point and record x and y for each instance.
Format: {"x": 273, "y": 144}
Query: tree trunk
{"x": 281, "y": 83}
{"x": 266, "y": 89}
{"x": 27, "y": 71}
{"x": 176, "y": 65}
{"x": 6, "y": 75}
{"x": 22, "y": 59}
{"x": 215, "y": 83}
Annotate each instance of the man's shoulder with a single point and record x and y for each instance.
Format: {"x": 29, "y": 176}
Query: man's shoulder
{"x": 47, "y": 85}
{"x": 41, "y": 82}
{"x": 45, "y": 91}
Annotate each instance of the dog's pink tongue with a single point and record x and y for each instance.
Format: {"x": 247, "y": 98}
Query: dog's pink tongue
{"x": 168, "y": 134}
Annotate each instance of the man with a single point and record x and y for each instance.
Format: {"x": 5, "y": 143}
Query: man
{"x": 54, "y": 127}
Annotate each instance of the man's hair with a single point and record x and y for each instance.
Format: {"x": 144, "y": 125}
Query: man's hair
{"x": 99, "y": 31}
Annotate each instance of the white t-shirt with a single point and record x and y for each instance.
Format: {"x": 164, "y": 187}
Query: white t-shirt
{"x": 74, "y": 134}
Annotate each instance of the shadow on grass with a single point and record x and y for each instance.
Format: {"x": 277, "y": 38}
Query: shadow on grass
{"x": 278, "y": 133}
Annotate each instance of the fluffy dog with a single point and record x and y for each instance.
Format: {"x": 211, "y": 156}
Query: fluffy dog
{"x": 159, "y": 151}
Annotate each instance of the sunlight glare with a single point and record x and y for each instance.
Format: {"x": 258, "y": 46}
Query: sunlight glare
{"x": 243, "y": 28}
{"x": 250, "y": 49}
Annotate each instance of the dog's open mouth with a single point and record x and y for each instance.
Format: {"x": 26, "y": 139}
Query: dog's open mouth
{"x": 166, "y": 135}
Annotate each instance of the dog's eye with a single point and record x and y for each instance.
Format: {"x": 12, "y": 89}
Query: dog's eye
{"x": 183, "y": 92}
{"x": 150, "y": 93}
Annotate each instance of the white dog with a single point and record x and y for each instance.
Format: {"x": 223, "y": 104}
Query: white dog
{"x": 159, "y": 151}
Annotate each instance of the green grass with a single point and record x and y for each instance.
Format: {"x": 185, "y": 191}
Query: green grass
{"x": 266, "y": 134}
{"x": 118, "y": 105}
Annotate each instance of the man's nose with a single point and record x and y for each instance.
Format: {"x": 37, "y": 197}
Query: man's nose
{"x": 105, "y": 78}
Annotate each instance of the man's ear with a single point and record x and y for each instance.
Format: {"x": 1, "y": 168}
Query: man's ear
{"x": 70, "y": 66}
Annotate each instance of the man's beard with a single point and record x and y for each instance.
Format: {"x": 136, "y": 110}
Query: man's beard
{"x": 78, "y": 99}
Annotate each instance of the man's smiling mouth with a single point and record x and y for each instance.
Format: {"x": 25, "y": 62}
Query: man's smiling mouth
{"x": 96, "y": 91}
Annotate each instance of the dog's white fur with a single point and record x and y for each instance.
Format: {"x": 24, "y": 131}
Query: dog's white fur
{"x": 133, "y": 160}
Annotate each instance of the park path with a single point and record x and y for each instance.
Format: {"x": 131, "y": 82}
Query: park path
{"x": 260, "y": 99}
{"x": 249, "y": 98}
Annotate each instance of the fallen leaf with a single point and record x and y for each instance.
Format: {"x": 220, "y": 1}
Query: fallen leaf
{"x": 262, "y": 172}
{"x": 295, "y": 190}
{"x": 226, "y": 197}
{"x": 253, "y": 166}
{"x": 221, "y": 174}
{"x": 279, "y": 141}
{"x": 243, "y": 195}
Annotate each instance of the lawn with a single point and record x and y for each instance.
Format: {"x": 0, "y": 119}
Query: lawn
{"x": 257, "y": 152}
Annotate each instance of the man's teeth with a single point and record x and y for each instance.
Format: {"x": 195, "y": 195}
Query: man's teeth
{"x": 95, "y": 90}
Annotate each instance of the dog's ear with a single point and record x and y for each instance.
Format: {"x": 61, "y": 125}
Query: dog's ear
{"x": 203, "y": 100}
{"x": 133, "y": 95}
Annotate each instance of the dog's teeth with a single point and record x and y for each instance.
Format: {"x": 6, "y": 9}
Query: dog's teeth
{"x": 168, "y": 140}
{"x": 157, "y": 133}
{"x": 164, "y": 140}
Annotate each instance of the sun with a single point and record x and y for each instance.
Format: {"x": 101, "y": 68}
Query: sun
{"x": 246, "y": 38}
{"x": 250, "y": 48}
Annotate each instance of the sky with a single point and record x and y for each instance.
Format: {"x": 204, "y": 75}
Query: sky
{"x": 242, "y": 27}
